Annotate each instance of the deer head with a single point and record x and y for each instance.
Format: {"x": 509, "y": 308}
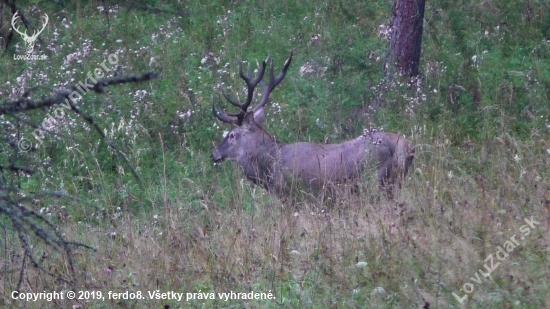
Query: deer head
{"x": 245, "y": 135}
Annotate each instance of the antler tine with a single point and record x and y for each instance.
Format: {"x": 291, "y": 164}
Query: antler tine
{"x": 251, "y": 84}
{"x": 222, "y": 115}
{"x": 273, "y": 82}
{"x": 233, "y": 102}
{"x": 248, "y": 78}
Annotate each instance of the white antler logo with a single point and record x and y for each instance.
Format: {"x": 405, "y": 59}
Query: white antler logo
{"x": 29, "y": 40}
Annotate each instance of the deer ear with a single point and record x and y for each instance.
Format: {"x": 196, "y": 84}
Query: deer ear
{"x": 249, "y": 119}
{"x": 259, "y": 115}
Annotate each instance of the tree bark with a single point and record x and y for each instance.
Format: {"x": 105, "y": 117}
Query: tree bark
{"x": 403, "y": 54}
{"x": 406, "y": 37}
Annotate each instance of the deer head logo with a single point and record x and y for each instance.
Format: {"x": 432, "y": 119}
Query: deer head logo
{"x": 29, "y": 40}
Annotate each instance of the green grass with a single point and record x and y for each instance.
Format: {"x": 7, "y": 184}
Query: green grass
{"x": 481, "y": 128}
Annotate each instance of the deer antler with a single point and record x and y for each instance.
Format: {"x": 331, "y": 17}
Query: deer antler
{"x": 221, "y": 114}
{"x": 273, "y": 82}
{"x": 251, "y": 84}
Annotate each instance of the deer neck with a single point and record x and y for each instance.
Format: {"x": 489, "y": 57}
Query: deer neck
{"x": 259, "y": 160}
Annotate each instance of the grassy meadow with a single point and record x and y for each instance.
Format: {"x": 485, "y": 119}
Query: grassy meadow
{"x": 469, "y": 229}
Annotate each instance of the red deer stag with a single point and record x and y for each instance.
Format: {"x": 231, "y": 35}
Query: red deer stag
{"x": 282, "y": 168}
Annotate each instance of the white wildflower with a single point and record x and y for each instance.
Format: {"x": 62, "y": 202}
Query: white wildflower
{"x": 361, "y": 264}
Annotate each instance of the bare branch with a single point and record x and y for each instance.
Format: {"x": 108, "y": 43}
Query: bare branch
{"x": 25, "y": 104}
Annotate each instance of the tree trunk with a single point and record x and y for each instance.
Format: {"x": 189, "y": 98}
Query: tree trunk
{"x": 403, "y": 54}
{"x": 406, "y": 36}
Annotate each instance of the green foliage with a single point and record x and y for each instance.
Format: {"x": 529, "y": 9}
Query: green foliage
{"x": 484, "y": 61}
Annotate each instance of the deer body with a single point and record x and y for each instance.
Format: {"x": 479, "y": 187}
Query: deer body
{"x": 319, "y": 166}
{"x": 285, "y": 169}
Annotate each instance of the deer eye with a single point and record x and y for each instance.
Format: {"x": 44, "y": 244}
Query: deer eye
{"x": 231, "y": 135}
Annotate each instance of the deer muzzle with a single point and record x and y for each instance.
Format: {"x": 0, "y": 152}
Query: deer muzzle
{"x": 216, "y": 157}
